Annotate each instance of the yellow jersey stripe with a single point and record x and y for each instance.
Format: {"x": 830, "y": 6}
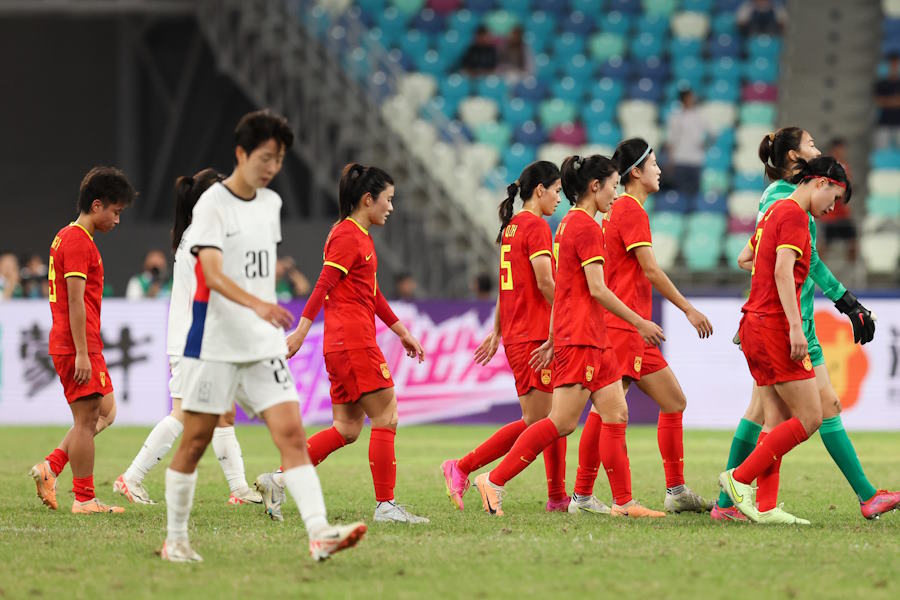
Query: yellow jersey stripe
{"x": 361, "y": 228}
{"x": 792, "y": 247}
{"x": 81, "y": 227}
{"x": 336, "y": 266}
{"x": 538, "y": 253}
{"x": 636, "y": 244}
{"x": 75, "y": 274}
{"x": 594, "y": 259}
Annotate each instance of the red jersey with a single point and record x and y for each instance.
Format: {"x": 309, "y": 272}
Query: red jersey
{"x": 524, "y": 312}
{"x": 627, "y": 227}
{"x": 74, "y": 254}
{"x": 785, "y": 225}
{"x": 350, "y": 306}
{"x": 578, "y": 319}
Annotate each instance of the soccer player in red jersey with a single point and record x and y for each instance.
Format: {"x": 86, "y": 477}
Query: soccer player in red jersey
{"x": 522, "y": 321}
{"x": 75, "y": 271}
{"x": 771, "y": 331}
{"x": 361, "y": 384}
{"x": 584, "y": 364}
{"x": 631, "y": 274}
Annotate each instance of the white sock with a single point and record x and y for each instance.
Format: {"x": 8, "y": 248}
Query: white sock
{"x": 179, "y": 498}
{"x": 303, "y": 483}
{"x": 155, "y": 447}
{"x": 278, "y": 478}
{"x": 228, "y": 451}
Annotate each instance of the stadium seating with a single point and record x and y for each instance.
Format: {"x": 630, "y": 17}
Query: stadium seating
{"x": 603, "y": 70}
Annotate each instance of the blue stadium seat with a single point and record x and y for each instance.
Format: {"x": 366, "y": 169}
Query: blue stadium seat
{"x": 433, "y": 63}
{"x": 680, "y": 48}
{"x": 464, "y": 22}
{"x": 454, "y": 87}
{"x": 888, "y": 158}
{"x": 454, "y": 130}
{"x": 530, "y": 133}
{"x": 452, "y": 44}
{"x": 646, "y": 89}
{"x": 372, "y": 6}
{"x": 608, "y": 89}
{"x": 517, "y": 157}
{"x": 492, "y": 87}
{"x": 551, "y": 6}
{"x": 724, "y": 45}
{"x": 761, "y": 69}
{"x": 647, "y": 45}
{"x": 606, "y": 134}
{"x": 579, "y": 67}
{"x": 598, "y": 111}
{"x": 655, "y": 25}
{"x": 723, "y": 90}
{"x": 625, "y": 6}
{"x": 520, "y": 8}
{"x": 728, "y": 5}
{"x": 616, "y": 21}
{"x": 588, "y": 7}
{"x": 726, "y": 68}
{"x": 749, "y": 182}
{"x": 498, "y": 178}
{"x": 414, "y": 43}
{"x": 717, "y": 158}
{"x": 671, "y": 201}
{"x": 516, "y": 111}
{"x": 545, "y": 67}
{"x": 616, "y": 68}
{"x": 429, "y": 22}
{"x": 578, "y": 23}
{"x": 569, "y": 89}
{"x": 711, "y": 202}
{"x": 764, "y": 46}
{"x": 541, "y": 24}
{"x": 568, "y": 45}
{"x": 725, "y": 140}
{"x": 441, "y": 105}
{"x": 392, "y": 22}
{"x": 537, "y": 43}
{"x": 703, "y": 6}
{"x": 653, "y": 68}
{"x": 691, "y": 68}
{"x": 497, "y": 135}
{"x": 531, "y": 89}
{"x": 724, "y": 22}
{"x": 480, "y": 7}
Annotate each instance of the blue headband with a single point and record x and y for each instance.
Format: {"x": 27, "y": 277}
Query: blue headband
{"x": 640, "y": 160}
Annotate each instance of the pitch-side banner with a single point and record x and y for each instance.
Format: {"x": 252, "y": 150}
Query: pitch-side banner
{"x": 134, "y": 335}
{"x": 717, "y": 382}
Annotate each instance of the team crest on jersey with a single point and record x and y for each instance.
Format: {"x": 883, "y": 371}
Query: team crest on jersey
{"x": 807, "y": 363}
{"x": 385, "y": 372}
{"x": 102, "y": 379}
{"x": 545, "y": 376}
{"x": 588, "y": 373}
{"x": 637, "y": 364}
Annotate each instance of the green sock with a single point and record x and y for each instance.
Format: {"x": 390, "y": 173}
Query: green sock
{"x": 741, "y": 446}
{"x": 841, "y": 450}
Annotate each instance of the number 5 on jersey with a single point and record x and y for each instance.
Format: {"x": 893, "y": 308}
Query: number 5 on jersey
{"x": 506, "y": 280}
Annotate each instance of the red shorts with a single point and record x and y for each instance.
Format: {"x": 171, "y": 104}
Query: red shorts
{"x": 635, "y": 356}
{"x": 767, "y": 348}
{"x": 588, "y": 366}
{"x": 527, "y": 378}
{"x": 99, "y": 383}
{"x": 353, "y": 373}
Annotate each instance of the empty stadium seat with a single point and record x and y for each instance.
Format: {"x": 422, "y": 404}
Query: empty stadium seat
{"x": 881, "y": 252}
{"x": 665, "y": 249}
{"x": 692, "y": 25}
{"x": 744, "y": 204}
{"x": 475, "y": 111}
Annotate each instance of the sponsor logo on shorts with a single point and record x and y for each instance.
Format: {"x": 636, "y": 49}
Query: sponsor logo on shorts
{"x": 545, "y": 376}
{"x": 588, "y": 373}
{"x": 637, "y": 363}
{"x": 204, "y": 392}
{"x": 807, "y": 363}
{"x": 385, "y": 372}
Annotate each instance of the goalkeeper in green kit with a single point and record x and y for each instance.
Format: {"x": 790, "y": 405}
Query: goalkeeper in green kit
{"x": 779, "y": 152}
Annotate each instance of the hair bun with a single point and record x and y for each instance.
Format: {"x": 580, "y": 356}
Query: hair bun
{"x": 577, "y": 162}
{"x": 513, "y": 188}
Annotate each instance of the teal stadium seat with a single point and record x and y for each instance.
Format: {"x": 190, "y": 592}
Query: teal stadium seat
{"x": 501, "y": 22}
{"x": 606, "y": 45}
{"x": 556, "y": 112}
{"x": 494, "y": 134}
{"x": 734, "y": 245}
{"x": 668, "y": 223}
{"x": 702, "y": 251}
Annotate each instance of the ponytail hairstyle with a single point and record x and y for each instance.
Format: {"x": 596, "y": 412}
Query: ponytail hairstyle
{"x": 537, "y": 173}
{"x": 188, "y": 190}
{"x": 356, "y": 182}
{"x": 579, "y": 171}
{"x": 823, "y": 167}
{"x": 774, "y": 148}
{"x": 630, "y": 154}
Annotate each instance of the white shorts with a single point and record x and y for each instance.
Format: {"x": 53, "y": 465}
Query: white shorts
{"x": 211, "y": 386}
{"x": 176, "y": 379}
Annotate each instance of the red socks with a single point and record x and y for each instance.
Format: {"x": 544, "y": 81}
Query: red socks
{"x": 532, "y": 441}
{"x": 383, "y": 462}
{"x": 588, "y": 455}
{"x": 83, "y": 488}
{"x": 324, "y": 443}
{"x": 767, "y": 482}
{"x": 614, "y": 455}
{"x": 57, "y": 460}
{"x": 555, "y": 468}
{"x": 770, "y": 449}
{"x": 670, "y": 436}
{"x": 493, "y": 448}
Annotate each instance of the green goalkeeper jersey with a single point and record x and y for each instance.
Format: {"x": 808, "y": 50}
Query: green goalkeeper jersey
{"x": 819, "y": 273}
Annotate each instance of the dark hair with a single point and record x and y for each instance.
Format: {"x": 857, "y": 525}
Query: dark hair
{"x": 578, "y": 172}
{"x": 684, "y": 93}
{"x": 627, "y": 154}
{"x": 106, "y": 184}
{"x": 774, "y": 148}
{"x": 187, "y": 191}
{"x": 258, "y": 127}
{"x": 356, "y": 182}
{"x": 541, "y": 172}
{"x": 822, "y": 166}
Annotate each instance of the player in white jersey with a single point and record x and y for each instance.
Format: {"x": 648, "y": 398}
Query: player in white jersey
{"x": 159, "y": 442}
{"x": 235, "y": 347}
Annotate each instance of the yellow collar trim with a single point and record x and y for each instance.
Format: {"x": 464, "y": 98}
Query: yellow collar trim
{"x": 81, "y": 227}
{"x": 641, "y": 204}
{"x": 361, "y": 228}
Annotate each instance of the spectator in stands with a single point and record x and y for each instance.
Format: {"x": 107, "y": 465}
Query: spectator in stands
{"x": 483, "y": 285}
{"x": 290, "y": 283}
{"x": 687, "y": 133}
{"x": 153, "y": 281}
{"x": 887, "y": 97}
{"x": 481, "y": 56}
{"x": 761, "y": 17}
{"x": 838, "y": 223}
{"x": 9, "y": 276}
{"x": 404, "y": 287}
{"x": 516, "y": 60}
{"x": 33, "y": 277}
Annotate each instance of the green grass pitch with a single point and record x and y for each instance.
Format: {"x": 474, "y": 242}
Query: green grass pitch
{"x": 527, "y": 553}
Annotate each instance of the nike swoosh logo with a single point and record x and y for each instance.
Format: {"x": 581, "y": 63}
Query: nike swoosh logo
{"x": 368, "y": 257}
{"x": 737, "y": 498}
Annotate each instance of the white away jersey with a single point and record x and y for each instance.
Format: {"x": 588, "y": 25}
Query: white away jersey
{"x": 184, "y": 285}
{"x": 248, "y": 233}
